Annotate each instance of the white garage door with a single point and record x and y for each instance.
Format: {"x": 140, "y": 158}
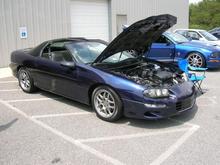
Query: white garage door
{"x": 89, "y": 18}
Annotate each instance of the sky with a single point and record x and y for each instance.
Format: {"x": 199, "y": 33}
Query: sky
{"x": 194, "y": 1}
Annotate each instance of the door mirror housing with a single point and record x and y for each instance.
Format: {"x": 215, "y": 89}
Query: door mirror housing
{"x": 70, "y": 65}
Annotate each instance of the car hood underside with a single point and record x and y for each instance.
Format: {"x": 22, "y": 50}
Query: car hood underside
{"x": 139, "y": 36}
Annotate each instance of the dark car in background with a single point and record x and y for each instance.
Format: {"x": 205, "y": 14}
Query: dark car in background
{"x": 171, "y": 47}
{"x": 215, "y": 32}
{"x": 110, "y": 78}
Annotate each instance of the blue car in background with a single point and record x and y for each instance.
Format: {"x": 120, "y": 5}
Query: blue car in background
{"x": 171, "y": 47}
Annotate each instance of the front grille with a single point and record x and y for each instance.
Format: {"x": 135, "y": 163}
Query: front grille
{"x": 185, "y": 104}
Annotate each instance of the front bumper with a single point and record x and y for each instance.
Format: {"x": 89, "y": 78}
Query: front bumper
{"x": 159, "y": 109}
{"x": 213, "y": 63}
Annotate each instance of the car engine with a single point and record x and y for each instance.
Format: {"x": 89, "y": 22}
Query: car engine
{"x": 151, "y": 74}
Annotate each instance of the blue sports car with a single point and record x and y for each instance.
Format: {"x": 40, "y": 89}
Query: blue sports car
{"x": 171, "y": 47}
{"x": 113, "y": 80}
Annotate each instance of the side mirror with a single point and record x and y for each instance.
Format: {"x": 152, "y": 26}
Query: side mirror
{"x": 70, "y": 65}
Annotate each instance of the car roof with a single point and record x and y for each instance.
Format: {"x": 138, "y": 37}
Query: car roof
{"x": 76, "y": 39}
{"x": 215, "y": 29}
{"x": 35, "y": 51}
{"x": 191, "y": 29}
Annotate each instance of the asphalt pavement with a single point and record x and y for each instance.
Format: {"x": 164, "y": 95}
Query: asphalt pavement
{"x": 43, "y": 128}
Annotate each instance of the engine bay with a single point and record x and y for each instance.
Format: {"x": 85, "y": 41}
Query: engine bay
{"x": 151, "y": 74}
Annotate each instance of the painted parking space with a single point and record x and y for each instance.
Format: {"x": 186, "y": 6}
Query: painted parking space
{"x": 46, "y": 106}
{"x": 24, "y": 142}
{"x": 17, "y": 95}
{"x": 95, "y": 128}
{"x": 77, "y": 131}
{"x": 8, "y": 85}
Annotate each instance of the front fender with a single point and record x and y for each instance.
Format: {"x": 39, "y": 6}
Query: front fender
{"x": 126, "y": 89}
{"x": 183, "y": 51}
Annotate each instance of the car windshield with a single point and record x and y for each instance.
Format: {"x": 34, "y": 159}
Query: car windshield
{"x": 86, "y": 52}
{"x": 208, "y": 35}
{"x": 119, "y": 57}
{"x": 177, "y": 38}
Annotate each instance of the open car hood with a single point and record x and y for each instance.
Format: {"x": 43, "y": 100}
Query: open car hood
{"x": 139, "y": 36}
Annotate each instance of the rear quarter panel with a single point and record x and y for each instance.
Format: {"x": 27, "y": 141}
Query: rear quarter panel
{"x": 20, "y": 58}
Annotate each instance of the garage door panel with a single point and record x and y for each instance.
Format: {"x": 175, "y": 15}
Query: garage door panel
{"x": 89, "y": 18}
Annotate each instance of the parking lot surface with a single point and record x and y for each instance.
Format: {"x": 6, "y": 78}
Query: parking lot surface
{"x": 43, "y": 128}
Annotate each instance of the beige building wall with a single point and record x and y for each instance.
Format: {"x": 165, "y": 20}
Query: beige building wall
{"x": 44, "y": 19}
{"x": 49, "y": 19}
{"x": 140, "y": 9}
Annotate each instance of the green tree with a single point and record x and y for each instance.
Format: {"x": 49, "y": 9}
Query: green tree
{"x": 205, "y": 14}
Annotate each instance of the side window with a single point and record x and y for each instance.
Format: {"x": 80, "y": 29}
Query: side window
{"x": 217, "y": 35}
{"x": 182, "y": 32}
{"x": 163, "y": 40}
{"x": 46, "y": 52}
{"x": 57, "y": 52}
{"x": 193, "y": 35}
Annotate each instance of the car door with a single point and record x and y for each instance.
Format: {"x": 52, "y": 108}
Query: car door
{"x": 55, "y": 73}
{"x": 162, "y": 50}
{"x": 66, "y": 74}
{"x": 194, "y": 35}
{"x": 45, "y": 68}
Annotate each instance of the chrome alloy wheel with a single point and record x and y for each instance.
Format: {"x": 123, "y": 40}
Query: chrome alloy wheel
{"x": 24, "y": 80}
{"x": 104, "y": 103}
{"x": 195, "y": 60}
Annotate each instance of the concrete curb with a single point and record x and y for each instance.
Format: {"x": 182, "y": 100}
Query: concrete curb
{"x": 5, "y": 72}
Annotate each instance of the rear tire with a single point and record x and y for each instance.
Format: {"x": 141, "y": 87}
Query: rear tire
{"x": 107, "y": 104}
{"x": 26, "y": 81}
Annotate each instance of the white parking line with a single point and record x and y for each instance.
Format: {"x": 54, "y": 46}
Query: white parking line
{"x": 137, "y": 135}
{"x": 211, "y": 99}
{"x": 175, "y": 146}
{"x": 6, "y": 82}
{"x": 165, "y": 155}
{"x": 38, "y": 99}
{"x": 9, "y": 90}
{"x": 65, "y": 137}
{"x": 61, "y": 114}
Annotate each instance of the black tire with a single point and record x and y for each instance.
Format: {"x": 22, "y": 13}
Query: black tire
{"x": 195, "y": 55}
{"x": 26, "y": 88}
{"x": 117, "y": 113}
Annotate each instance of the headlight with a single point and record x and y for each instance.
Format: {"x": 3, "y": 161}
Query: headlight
{"x": 215, "y": 55}
{"x": 156, "y": 93}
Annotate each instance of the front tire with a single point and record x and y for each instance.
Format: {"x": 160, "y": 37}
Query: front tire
{"x": 107, "y": 104}
{"x": 25, "y": 81}
{"x": 196, "y": 60}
